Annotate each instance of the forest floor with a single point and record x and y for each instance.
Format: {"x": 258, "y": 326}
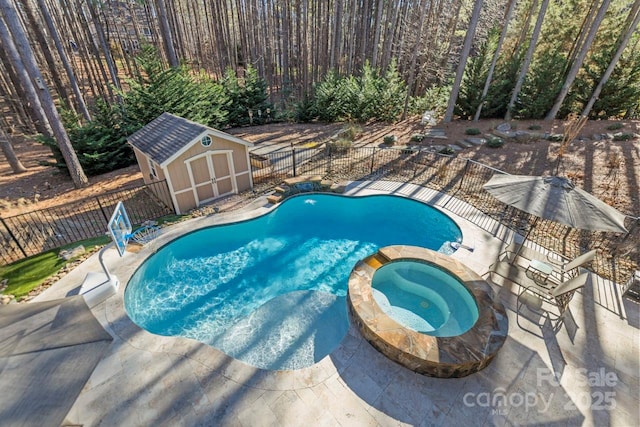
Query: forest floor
{"x": 608, "y": 169}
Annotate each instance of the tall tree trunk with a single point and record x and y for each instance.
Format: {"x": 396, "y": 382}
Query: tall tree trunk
{"x": 14, "y": 92}
{"x": 587, "y": 22}
{"x": 496, "y": 54}
{"x": 10, "y": 154}
{"x": 22, "y": 80}
{"x": 388, "y": 38}
{"x": 336, "y": 51}
{"x": 106, "y": 51}
{"x": 96, "y": 65}
{"x": 628, "y": 32}
{"x": 376, "y": 35}
{"x": 451, "y": 29}
{"x": 577, "y": 64}
{"x": 524, "y": 31}
{"x": 41, "y": 39}
{"x": 527, "y": 59}
{"x": 165, "y": 31}
{"x": 18, "y": 41}
{"x": 65, "y": 60}
{"x": 412, "y": 68}
{"x": 466, "y": 47}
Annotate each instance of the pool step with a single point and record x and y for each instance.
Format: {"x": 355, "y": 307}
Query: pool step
{"x": 384, "y": 256}
{"x": 302, "y": 179}
{"x": 376, "y": 261}
{"x": 274, "y": 198}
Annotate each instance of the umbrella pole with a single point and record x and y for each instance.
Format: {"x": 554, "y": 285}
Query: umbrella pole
{"x": 526, "y": 236}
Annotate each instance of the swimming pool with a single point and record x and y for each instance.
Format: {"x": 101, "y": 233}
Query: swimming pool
{"x": 271, "y": 291}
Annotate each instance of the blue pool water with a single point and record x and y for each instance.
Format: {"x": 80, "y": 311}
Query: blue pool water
{"x": 425, "y": 298}
{"x": 271, "y": 291}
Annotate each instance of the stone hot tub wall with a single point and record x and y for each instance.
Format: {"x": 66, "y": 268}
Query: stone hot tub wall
{"x": 444, "y": 357}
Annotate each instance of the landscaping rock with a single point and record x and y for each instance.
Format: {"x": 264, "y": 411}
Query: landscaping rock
{"x": 476, "y": 140}
{"x": 71, "y": 253}
{"x": 429, "y": 118}
{"x": 503, "y": 127}
{"x": 437, "y": 148}
{"x": 464, "y": 144}
{"x": 525, "y": 137}
{"x": 501, "y": 134}
{"x": 454, "y": 147}
{"x": 435, "y": 133}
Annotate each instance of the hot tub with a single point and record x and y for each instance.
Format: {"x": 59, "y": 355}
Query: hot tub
{"x": 424, "y": 297}
{"x": 391, "y": 293}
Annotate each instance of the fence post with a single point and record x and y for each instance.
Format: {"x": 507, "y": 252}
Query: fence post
{"x": 106, "y": 219}
{"x": 373, "y": 156}
{"x": 464, "y": 173}
{"x": 294, "y": 161}
{"x": 329, "y": 164}
{"x": 13, "y": 237}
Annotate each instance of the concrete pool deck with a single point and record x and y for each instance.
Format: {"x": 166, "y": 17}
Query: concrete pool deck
{"x": 586, "y": 374}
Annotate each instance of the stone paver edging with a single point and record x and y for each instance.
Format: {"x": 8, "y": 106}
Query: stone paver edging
{"x": 443, "y": 357}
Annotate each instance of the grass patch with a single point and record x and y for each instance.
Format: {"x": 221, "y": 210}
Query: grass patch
{"x": 169, "y": 219}
{"x": 447, "y": 151}
{"x": 622, "y": 136}
{"x": 29, "y": 273}
{"x": 495, "y": 142}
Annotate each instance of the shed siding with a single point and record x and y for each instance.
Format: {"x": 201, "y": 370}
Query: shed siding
{"x": 144, "y": 165}
{"x": 240, "y": 160}
{"x": 177, "y": 172}
{"x": 143, "y": 162}
{"x": 178, "y": 168}
{"x": 185, "y": 201}
{"x": 244, "y": 183}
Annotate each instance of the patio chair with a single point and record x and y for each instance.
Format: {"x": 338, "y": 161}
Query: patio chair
{"x": 537, "y": 297}
{"x": 539, "y": 293}
{"x": 562, "y": 267}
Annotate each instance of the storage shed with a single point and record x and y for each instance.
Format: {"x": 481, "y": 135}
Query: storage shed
{"x": 199, "y": 163}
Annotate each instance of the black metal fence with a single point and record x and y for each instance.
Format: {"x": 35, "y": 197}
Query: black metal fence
{"x": 464, "y": 178}
{"x": 34, "y": 232}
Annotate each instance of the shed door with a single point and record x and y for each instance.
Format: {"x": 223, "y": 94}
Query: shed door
{"x": 212, "y": 176}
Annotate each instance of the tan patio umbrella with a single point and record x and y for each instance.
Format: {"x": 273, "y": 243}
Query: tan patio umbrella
{"x": 556, "y": 199}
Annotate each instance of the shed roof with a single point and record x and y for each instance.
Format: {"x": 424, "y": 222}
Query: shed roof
{"x": 165, "y": 136}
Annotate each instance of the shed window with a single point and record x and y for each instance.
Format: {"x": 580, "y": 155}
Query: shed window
{"x": 152, "y": 170}
{"x": 205, "y": 141}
